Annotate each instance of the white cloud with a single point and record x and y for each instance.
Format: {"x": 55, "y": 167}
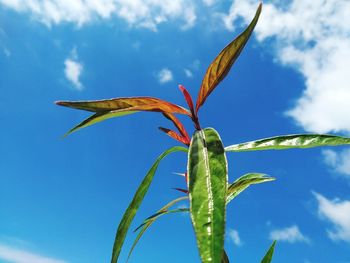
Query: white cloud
{"x": 290, "y": 234}
{"x": 139, "y": 13}
{"x": 73, "y": 69}
{"x": 313, "y": 37}
{"x": 164, "y": 76}
{"x": 193, "y": 67}
{"x": 55, "y": 12}
{"x": 234, "y": 237}
{"x": 14, "y": 255}
{"x": 338, "y": 213}
{"x": 339, "y": 161}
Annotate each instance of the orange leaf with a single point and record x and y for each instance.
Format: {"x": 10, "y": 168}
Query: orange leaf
{"x": 126, "y": 104}
{"x": 175, "y": 136}
{"x": 222, "y": 64}
{"x": 178, "y": 125}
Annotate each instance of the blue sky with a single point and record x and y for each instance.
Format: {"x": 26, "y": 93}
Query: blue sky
{"x": 61, "y": 199}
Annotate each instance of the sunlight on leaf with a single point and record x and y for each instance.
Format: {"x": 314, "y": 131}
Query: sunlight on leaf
{"x": 207, "y": 184}
{"x": 244, "y": 182}
{"x": 289, "y": 142}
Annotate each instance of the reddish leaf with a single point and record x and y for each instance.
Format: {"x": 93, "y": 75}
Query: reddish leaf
{"x": 178, "y": 125}
{"x": 188, "y": 98}
{"x": 222, "y": 64}
{"x": 126, "y": 104}
{"x": 175, "y": 136}
{"x": 181, "y": 190}
{"x": 189, "y": 101}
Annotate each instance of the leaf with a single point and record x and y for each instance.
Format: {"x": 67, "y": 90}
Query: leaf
{"x": 188, "y": 97}
{"x": 178, "y": 125}
{"x": 289, "y": 142}
{"x": 244, "y": 182}
{"x": 269, "y": 254}
{"x": 207, "y": 184}
{"x": 181, "y": 190}
{"x": 222, "y": 64}
{"x": 224, "y": 257}
{"x": 98, "y": 117}
{"x": 175, "y": 136}
{"x": 106, "y": 109}
{"x": 136, "y": 202}
{"x": 150, "y": 220}
{"x": 126, "y": 104}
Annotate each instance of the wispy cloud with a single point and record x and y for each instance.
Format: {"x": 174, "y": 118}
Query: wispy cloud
{"x": 234, "y": 237}
{"x": 339, "y": 161}
{"x": 209, "y": 2}
{"x": 164, "y": 76}
{"x": 337, "y": 212}
{"x": 290, "y": 234}
{"x": 73, "y": 69}
{"x": 3, "y": 37}
{"x": 7, "y": 52}
{"x": 195, "y": 64}
{"x": 312, "y": 37}
{"x": 139, "y": 13}
{"x": 14, "y": 255}
{"x": 188, "y": 73}
{"x": 193, "y": 67}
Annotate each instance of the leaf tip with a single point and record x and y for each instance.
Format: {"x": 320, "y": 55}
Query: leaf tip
{"x": 181, "y": 190}
{"x": 181, "y": 174}
{"x": 60, "y": 103}
{"x": 163, "y": 129}
{"x": 64, "y": 136}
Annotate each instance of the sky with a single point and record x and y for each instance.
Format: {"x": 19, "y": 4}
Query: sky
{"x": 61, "y": 199}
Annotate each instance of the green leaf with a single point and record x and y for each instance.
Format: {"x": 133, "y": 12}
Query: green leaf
{"x": 136, "y": 202}
{"x": 244, "y": 182}
{"x": 98, "y": 117}
{"x": 289, "y": 142}
{"x": 207, "y": 179}
{"x": 224, "y": 257}
{"x": 150, "y": 220}
{"x": 269, "y": 254}
{"x": 222, "y": 64}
